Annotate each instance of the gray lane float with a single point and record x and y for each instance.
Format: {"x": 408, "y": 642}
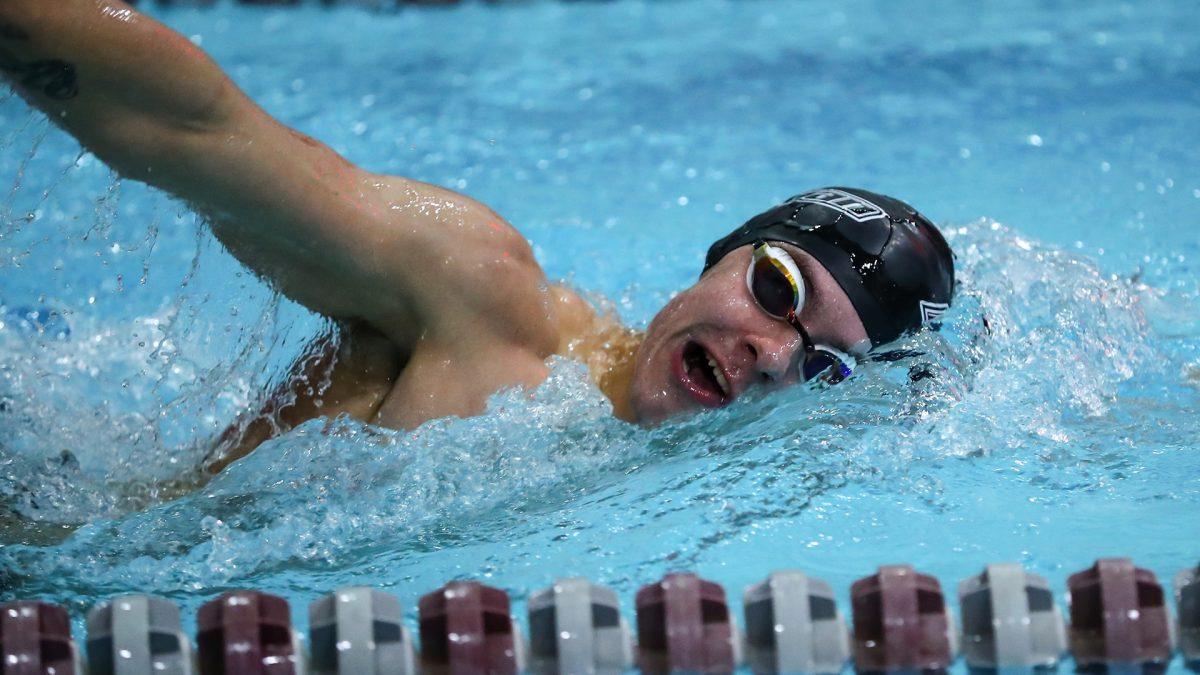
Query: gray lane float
{"x": 248, "y": 633}
{"x": 1010, "y": 621}
{"x": 137, "y": 635}
{"x": 1119, "y": 620}
{"x": 683, "y": 624}
{"x": 1187, "y": 604}
{"x": 358, "y": 631}
{"x": 576, "y": 627}
{"x": 466, "y": 629}
{"x": 35, "y": 639}
{"x": 901, "y": 622}
{"x": 793, "y": 626}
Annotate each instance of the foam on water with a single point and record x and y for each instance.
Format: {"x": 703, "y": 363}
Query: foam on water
{"x": 1040, "y": 389}
{"x": 1052, "y": 420}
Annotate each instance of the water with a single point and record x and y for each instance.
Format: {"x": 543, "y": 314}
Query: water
{"x": 1053, "y": 143}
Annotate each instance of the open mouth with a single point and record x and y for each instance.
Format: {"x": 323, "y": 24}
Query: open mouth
{"x": 703, "y": 376}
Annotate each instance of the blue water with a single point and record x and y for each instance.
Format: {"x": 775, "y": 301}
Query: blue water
{"x": 1054, "y": 143}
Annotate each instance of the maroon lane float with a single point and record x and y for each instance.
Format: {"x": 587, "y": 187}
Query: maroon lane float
{"x": 35, "y": 639}
{"x": 249, "y": 633}
{"x": 1119, "y": 618}
{"x": 901, "y": 622}
{"x": 467, "y": 629}
{"x": 683, "y": 624}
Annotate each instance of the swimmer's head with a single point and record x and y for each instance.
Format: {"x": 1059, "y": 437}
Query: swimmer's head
{"x": 870, "y": 268}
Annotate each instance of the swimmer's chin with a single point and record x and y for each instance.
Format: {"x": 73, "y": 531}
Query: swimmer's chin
{"x": 671, "y": 407}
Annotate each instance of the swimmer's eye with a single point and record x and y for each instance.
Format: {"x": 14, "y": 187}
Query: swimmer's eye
{"x": 775, "y": 282}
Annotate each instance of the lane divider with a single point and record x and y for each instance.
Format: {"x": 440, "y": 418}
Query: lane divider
{"x": 466, "y": 628}
{"x": 793, "y": 626}
{"x": 1010, "y": 621}
{"x": 137, "y": 635}
{"x": 683, "y": 624}
{"x": 576, "y": 626}
{"x": 1187, "y": 600}
{"x": 359, "y": 630}
{"x": 1120, "y": 622}
{"x": 1119, "y": 618}
{"x": 901, "y": 622}
{"x": 35, "y": 638}
{"x": 248, "y": 632}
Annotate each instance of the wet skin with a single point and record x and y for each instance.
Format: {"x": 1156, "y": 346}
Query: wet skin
{"x": 647, "y": 379}
{"x": 439, "y": 301}
{"x": 718, "y": 319}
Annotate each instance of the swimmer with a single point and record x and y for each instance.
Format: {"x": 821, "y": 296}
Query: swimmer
{"x": 438, "y": 300}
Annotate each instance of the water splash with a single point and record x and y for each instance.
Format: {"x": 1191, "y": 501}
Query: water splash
{"x": 1024, "y": 367}
{"x": 1060, "y": 429}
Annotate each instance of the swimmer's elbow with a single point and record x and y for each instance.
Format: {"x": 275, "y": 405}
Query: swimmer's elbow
{"x": 191, "y": 92}
{"x": 214, "y": 107}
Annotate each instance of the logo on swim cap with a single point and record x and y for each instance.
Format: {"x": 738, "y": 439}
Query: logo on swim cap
{"x": 932, "y": 311}
{"x": 853, "y": 206}
{"x": 891, "y": 261}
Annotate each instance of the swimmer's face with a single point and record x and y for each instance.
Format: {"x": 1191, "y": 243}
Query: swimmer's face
{"x": 712, "y": 342}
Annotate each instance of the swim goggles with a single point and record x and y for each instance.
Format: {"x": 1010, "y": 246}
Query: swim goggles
{"x": 777, "y": 286}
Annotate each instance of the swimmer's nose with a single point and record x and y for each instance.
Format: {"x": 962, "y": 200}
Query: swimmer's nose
{"x": 775, "y": 355}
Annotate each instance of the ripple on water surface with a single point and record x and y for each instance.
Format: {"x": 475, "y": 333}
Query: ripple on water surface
{"x": 1030, "y": 437}
{"x": 1050, "y": 421}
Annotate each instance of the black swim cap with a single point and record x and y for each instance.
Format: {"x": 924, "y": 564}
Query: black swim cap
{"x": 893, "y": 263}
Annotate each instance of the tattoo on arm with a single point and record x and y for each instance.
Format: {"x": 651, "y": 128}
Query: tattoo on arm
{"x": 53, "y": 77}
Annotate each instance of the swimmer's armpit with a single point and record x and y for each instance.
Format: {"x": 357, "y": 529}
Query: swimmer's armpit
{"x": 53, "y": 78}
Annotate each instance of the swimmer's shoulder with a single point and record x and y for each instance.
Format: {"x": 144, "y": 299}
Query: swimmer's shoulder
{"x": 475, "y": 277}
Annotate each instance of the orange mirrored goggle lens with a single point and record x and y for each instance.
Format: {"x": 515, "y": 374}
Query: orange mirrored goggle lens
{"x": 773, "y": 287}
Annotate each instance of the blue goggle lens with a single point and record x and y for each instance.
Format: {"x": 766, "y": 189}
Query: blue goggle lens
{"x": 825, "y": 365}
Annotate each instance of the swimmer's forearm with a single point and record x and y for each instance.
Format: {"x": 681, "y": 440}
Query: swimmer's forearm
{"x": 329, "y": 235}
{"x": 116, "y": 79}
{"x": 156, "y": 109}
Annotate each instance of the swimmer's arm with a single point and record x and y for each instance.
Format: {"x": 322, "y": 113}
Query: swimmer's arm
{"x": 102, "y": 70}
{"x": 348, "y": 370}
{"x": 154, "y": 107}
{"x": 291, "y": 404}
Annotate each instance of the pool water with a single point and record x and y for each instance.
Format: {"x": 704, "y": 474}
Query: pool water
{"x": 1054, "y": 143}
